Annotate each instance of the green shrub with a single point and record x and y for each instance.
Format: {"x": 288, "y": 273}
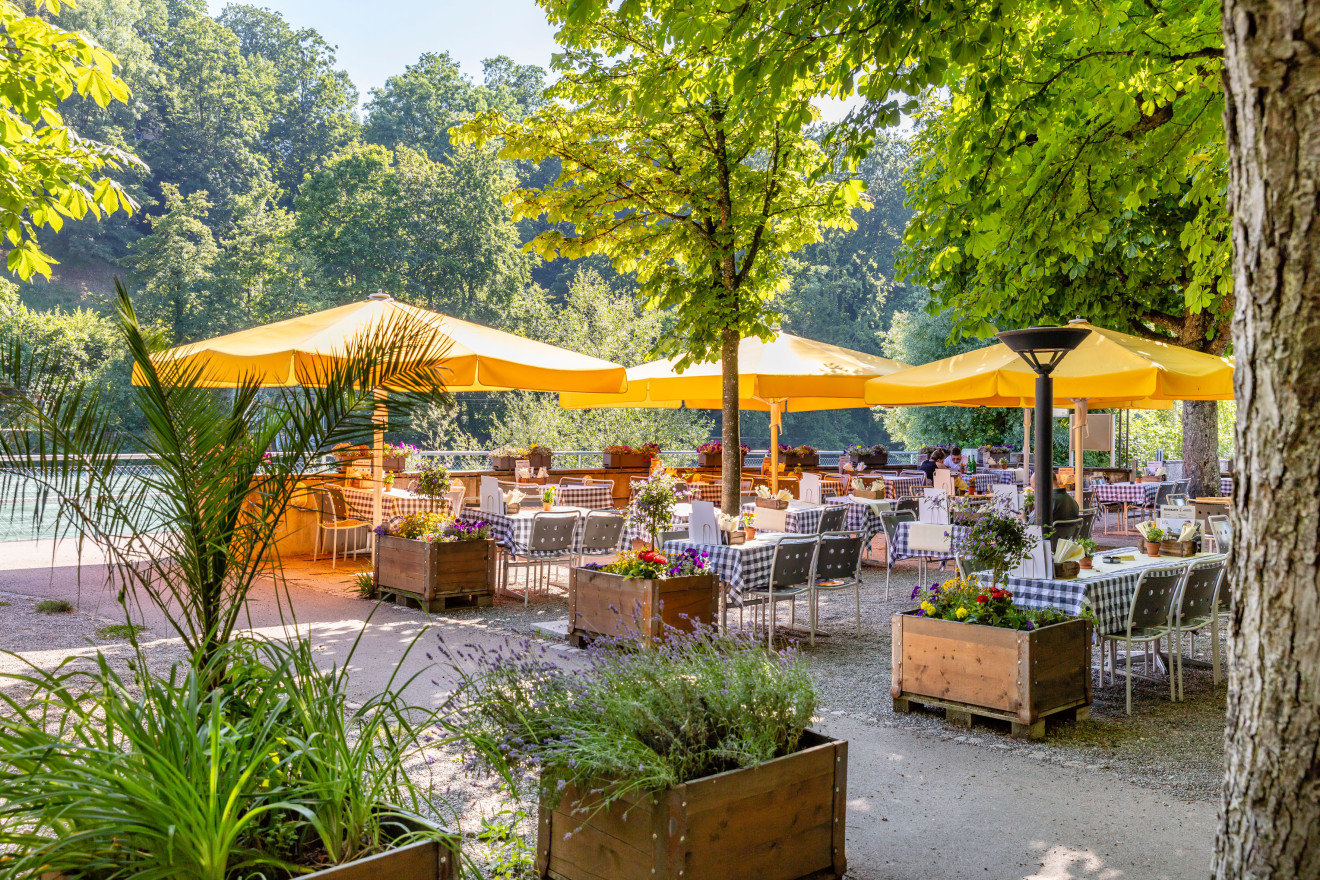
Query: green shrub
{"x": 364, "y": 582}
{"x": 53, "y": 606}
{"x": 127, "y": 631}
{"x": 266, "y": 775}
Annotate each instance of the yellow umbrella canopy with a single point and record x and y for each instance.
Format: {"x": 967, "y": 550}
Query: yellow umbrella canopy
{"x": 798, "y": 375}
{"x": 1108, "y": 369}
{"x": 786, "y": 374}
{"x": 473, "y": 357}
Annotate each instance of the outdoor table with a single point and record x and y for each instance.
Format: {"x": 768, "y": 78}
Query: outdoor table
{"x": 1106, "y": 589}
{"x": 597, "y": 496}
{"x": 394, "y": 502}
{"x": 706, "y": 491}
{"x": 903, "y": 550}
{"x": 981, "y": 481}
{"x": 863, "y": 514}
{"x": 904, "y": 487}
{"x": 799, "y": 517}
{"x": 514, "y": 532}
{"x": 741, "y": 566}
{"x": 635, "y": 531}
{"x": 1127, "y": 494}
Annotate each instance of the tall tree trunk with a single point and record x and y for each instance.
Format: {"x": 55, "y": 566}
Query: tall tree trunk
{"x": 1200, "y": 448}
{"x": 731, "y": 458}
{"x": 1270, "y": 820}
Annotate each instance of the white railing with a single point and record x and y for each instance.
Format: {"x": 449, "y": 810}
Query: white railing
{"x": 477, "y": 459}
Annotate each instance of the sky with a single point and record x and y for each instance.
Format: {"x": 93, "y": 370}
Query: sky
{"x": 392, "y": 35}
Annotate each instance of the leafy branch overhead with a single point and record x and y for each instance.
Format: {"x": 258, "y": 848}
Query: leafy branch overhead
{"x": 702, "y": 191}
{"x": 48, "y": 172}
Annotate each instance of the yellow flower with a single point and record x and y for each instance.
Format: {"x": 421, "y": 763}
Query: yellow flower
{"x": 962, "y": 612}
{"x": 927, "y": 607}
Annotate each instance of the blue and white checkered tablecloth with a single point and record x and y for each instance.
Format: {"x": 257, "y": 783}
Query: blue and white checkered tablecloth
{"x": 706, "y": 491}
{"x": 904, "y": 487}
{"x": 981, "y": 482}
{"x": 1108, "y": 593}
{"x": 1127, "y": 493}
{"x": 741, "y": 566}
{"x": 800, "y": 518}
{"x": 860, "y": 516}
{"x": 597, "y": 496}
{"x": 1225, "y": 485}
{"x": 513, "y": 533}
{"x": 361, "y": 503}
{"x": 902, "y": 549}
{"x": 635, "y": 531}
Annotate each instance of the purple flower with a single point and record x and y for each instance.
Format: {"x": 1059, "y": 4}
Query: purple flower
{"x": 915, "y": 590}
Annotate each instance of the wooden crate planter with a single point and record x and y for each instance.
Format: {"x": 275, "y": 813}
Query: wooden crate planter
{"x": 435, "y": 859}
{"x": 713, "y": 460}
{"x": 605, "y": 604}
{"x": 631, "y": 460}
{"x": 782, "y": 820}
{"x": 540, "y": 461}
{"x": 970, "y": 669}
{"x": 502, "y": 463}
{"x": 395, "y": 464}
{"x": 802, "y": 461}
{"x": 435, "y": 576}
{"x": 875, "y": 459}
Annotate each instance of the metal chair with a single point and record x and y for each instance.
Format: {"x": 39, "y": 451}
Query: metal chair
{"x": 1195, "y": 608}
{"x": 889, "y": 520}
{"x": 1221, "y": 531}
{"x": 1176, "y": 500}
{"x": 551, "y": 541}
{"x": 1180, "y": 487}
{"x": 792, "y": 573}
{"x": 832, "y": 519}
{"x": 332, "y": 516}
{"x": 1147, "y": 622}
{"x": 1069, "y": 529}
{"x": 1088, "y": 522}
{"x": 838, "y": 567}
{"x": 601, "y": 533}
{"x": 675, "y": 535}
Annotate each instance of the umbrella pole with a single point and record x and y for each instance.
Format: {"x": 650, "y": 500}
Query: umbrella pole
{"x": 378, "y": 461}
{"x": 1026, "y": 439}
{"x": 1079, "y": 422}
{"x": 776, "y": 411}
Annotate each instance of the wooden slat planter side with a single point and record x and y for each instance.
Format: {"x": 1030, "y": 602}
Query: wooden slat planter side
{"x": 971, "y": 669}
{"x": 783, "y": 820}
{"x": 436, "y": 575}
{"x": 601, "y": 603}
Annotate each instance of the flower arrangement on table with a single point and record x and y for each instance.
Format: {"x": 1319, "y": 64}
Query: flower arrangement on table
{"x": 432, "y": 480}
{"x": 653, "y": 502}
{"x": 716, "y": 447}
{"x": 966, "y": 600}
{"x": 548, "y": 497}
{"x": 653, "y": 565}
{"x": 998, "y": 541}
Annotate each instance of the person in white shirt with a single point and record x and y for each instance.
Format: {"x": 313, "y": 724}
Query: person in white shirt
{"x": 955, "y": 461}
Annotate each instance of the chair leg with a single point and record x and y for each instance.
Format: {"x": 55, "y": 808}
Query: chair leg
{"x": 857, "y": 600}
{"x": 1214, "y": 644}
{"x": 1175, "y": 660}
{"x": 334, "y": 548}
{"x": 1128, "y": 663}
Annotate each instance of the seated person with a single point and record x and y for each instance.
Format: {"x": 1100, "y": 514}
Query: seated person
{"x": 955, "y": 461}
{"x": 936, "y": 460}
{"x": 1064, "y": 505}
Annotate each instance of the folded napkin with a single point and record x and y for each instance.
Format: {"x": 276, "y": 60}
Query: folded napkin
{"x": 1190, "y": 531}
{"x": 513, "y": 496}
{"x": 1067, "y": 551}
{"x": 934, "y": 537}
{"x": 782, "y": 494}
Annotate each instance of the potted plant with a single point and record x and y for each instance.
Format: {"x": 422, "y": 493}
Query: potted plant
{"x": 749, "y": 525}
{"x": 968, "y": 648}
{"x": 868, "y": 456}
{"x": 540, "y": 456}
{"x": 1152, "y": 535}
{"x": 653, "y": 502}
{"x": 433, "y": 561}
{"x": 351, "y": 455}
{"x": 505, "y": 456}
{"x": 621, "y": 455}
{"x": 710, "y": 453}
{"x": 432, "y": 481}
{"x": 1088, "y": 548}
{"x": 690, "y": 761}
{"x": 548, "y": 498}
{"x": 248, "y": 756}
{"x": 651, "y": 450}
{"x": 388, "y": 480}
{"x": 644, "y": 595}
{"x": 397, "y": 456}
{"x": 800, "y": 456}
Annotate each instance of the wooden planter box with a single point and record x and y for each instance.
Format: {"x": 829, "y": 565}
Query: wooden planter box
{"x": 605, "y": 604}
{"x": 771, "y": 503}
{"x": 878, "y": 459}
{"x": 423, "y": 860}
{"x": 782, "y": 820}
{"x": 802, "y": 461}
{"x": 990, "y": 671}
{"x": 502, "y": 463}
{"x": 713, "y": 460}
{"x": 540, "y": 461}
{"x": 632, "y": 460}
{"x": 395, "y": 463}
{"x": 435, "y": 576}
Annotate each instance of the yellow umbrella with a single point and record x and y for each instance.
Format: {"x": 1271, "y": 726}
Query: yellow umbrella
{"x": 1108, "y": 369}
{"x": 473, "y": 357}
{"x": 786, "y": 374}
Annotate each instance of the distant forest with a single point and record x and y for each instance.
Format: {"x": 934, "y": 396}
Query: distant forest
{"x": 270, "y": 194}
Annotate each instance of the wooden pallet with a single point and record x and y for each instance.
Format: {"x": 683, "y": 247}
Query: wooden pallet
{"x": 439, "y": 603}
{"x": 961, "y": 714}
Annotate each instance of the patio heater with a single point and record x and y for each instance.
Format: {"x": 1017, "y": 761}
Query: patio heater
{"x": 1043, "y": 348}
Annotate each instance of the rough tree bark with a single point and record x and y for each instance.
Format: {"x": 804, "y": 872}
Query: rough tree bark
{"x": 1200, "y": 448}
{"x": 1270, "y": 818}
{"x": 731, "y": 457}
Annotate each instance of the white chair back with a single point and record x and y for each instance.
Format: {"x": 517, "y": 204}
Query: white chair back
{"x": 492, "y": 497}
{"x": 703, "y": 527}
{"x": 809, "y": 490}
{"x": 933, "y": 507}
